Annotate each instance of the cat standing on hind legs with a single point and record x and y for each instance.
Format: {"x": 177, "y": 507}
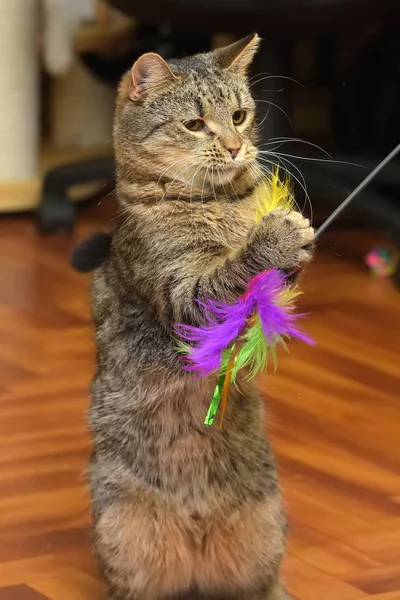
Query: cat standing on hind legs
{"x": 183, "y": 510}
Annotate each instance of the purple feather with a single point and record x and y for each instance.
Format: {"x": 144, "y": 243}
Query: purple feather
{"x": 224, "y": 322}
{"x": 277, "y": 318}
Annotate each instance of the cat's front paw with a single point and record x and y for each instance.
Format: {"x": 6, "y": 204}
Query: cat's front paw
{"x": 285, "y": 239}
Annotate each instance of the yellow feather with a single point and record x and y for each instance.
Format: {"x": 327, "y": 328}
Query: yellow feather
{"x": 273, "y": 193}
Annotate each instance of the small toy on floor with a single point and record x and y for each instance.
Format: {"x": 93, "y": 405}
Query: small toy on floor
{"x": 383, "y": 261}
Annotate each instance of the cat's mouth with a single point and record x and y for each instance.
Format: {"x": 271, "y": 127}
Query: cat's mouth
{"x": 234, "y": 167}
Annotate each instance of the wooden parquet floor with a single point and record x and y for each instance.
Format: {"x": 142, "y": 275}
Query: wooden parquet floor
{"x": 334, "y": 417}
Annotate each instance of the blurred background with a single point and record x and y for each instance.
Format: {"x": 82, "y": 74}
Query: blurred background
{"x": 327, "y": 85}
{"x": 328, "y": 74}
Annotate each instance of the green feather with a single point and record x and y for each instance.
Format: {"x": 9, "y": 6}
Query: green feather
{"x": 254, "y": 352}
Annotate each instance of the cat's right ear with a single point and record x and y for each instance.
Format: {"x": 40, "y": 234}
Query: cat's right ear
{"x": 149, "y": 75}
{"x": 237, "y": 57}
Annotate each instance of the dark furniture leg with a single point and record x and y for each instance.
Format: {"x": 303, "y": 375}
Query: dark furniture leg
{"x": 56, "y": 212}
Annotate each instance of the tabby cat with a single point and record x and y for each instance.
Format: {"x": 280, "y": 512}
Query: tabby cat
{"x": 182, "y": 509}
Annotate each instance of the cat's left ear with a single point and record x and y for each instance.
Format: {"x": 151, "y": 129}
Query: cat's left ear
{"x": 237, "y": 57}
{"x": 149, "y": 74}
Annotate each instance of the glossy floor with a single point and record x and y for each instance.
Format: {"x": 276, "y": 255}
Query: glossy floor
{"x": 334, "y": 416}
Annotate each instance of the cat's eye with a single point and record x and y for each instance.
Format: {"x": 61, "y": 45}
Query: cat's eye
{"x": 195, "y": 125}
{"x": 238, "y": 117}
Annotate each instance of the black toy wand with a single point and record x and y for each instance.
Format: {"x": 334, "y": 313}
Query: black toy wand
{"x": 356, "y": 191}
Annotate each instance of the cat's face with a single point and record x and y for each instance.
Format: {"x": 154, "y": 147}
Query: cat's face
{"x": 191, "y": 119}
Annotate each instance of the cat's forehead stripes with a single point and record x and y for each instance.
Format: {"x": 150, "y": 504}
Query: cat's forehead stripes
{"x": 200, "y": 94}
{"x": 217, "y": 90}
{"x": 200, "y": 107}
{"x": 216, "y": 87}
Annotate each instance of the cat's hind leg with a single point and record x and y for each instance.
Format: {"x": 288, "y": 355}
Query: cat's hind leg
{"x": 143, "y": 550}
{"x": 271, "y": 592}
{"x": 274, "y": 591}
{"x": 277, "y": 592}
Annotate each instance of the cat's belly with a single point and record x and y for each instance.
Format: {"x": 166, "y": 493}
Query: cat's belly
{"x": 152, "y": 432}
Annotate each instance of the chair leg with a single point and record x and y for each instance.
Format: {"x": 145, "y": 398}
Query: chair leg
{"x": 56, "y": 212}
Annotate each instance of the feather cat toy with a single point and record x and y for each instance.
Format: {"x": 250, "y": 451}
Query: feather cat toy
{"x": 246, "y": 334}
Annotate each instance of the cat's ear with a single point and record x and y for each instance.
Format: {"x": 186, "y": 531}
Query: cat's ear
{"x": 237, "y": 57}
{"x": 149, "y": 74}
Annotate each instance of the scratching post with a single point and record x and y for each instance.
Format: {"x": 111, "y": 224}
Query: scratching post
{"x": 81, "y": 109}
{"x": 19, "y": 98}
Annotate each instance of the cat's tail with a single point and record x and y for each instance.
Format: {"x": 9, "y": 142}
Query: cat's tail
{"x": 92, "y": 252}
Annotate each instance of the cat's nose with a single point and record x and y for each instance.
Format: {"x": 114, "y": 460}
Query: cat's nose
{"x": 234, "y": 150}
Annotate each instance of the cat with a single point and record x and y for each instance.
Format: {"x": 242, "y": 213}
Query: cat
{"x": 181, "y": 509}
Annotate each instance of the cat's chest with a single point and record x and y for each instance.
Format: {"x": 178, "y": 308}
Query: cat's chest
{"x": 228, "y": 225}
{"x": 209, "y": 226}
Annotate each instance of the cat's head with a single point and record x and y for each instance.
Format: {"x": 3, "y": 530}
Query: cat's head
{"x": 191, "y": 119}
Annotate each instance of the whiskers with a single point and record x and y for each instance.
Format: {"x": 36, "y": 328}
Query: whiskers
{"x": 222, "y": 184}
{"x": 231, "y": 183}
{"x": 275, "y": 106}
{"x": 191, "y": 182}
{"x": 285, "y": 140}
{"x": 270, "y": 155}
{"x": 256, "y": 79}
{"x": 212, "y": 184}
{"x": 168, "y": 186}
{"x": 312, "y": 158}
{"x": 259, "y": 78}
